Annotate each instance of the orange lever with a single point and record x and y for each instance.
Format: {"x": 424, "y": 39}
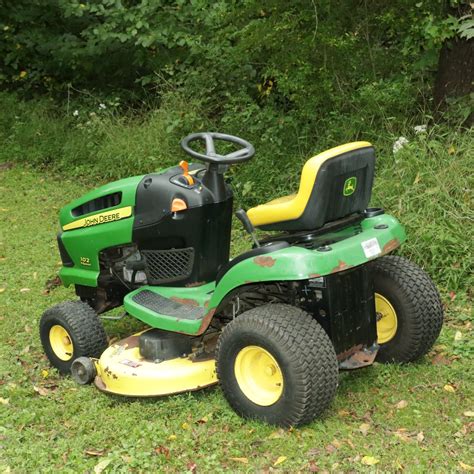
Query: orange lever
{"x": 178, "y": 205}
{"x": 185, "y": 167}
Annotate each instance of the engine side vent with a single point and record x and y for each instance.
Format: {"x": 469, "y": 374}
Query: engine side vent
{"x": 103, "y": 202}
{"x": 166, "y": 266}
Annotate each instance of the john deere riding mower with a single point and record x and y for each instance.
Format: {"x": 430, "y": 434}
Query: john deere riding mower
{"x": 273, "y": 325}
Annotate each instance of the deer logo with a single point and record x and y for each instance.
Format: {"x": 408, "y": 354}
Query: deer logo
{"x": 350, "y": 185}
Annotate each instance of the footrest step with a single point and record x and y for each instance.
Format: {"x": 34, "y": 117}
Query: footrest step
{"x": 181, "y": 308}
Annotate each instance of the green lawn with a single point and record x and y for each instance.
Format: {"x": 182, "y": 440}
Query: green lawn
{"x": 416, "y": 418}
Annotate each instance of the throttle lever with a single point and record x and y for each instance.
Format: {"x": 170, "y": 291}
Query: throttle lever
{"x": 248, "y": 226}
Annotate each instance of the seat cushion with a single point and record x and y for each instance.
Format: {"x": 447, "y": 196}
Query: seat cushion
{"x": 284, "y": 213}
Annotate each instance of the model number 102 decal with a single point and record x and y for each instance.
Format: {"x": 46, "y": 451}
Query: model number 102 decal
{"x": 86, "y": 261}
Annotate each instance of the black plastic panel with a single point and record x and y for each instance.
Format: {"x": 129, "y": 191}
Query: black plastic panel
{"x": 343, "y": 303}
{"x": 204, "y": 226}
{"x": 166, "y": 266}
{"x": 103, "y": 202}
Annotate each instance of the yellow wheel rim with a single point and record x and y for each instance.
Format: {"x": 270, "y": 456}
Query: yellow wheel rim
{"x": 258, "y": 375}
{"x": 386, "y": 319}
{"x": 61, "y": 342}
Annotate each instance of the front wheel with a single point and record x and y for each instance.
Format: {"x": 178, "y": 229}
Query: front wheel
{"x": 70, "y": 330}
{"x": 408, "y": 308}
{"x": 275, "y": 363}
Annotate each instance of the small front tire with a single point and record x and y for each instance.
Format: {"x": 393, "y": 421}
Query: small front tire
{"x": 70, "y": 330}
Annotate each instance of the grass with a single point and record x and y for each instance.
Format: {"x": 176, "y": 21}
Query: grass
{"x": 415, "y": 418}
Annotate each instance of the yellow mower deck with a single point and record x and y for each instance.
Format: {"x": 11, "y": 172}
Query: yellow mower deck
{"x": 121, "y": 370}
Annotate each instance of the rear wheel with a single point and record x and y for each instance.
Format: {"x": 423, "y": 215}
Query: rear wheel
{"x": 70, "y": 330}
{"x": 275, "y": 363}
{"x": 408, "y": 307}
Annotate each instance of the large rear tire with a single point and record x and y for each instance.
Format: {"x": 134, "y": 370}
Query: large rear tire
{"x": 409, "y": 310}
{"x": 70, "y": 330}
{"x": 275, "y": 363}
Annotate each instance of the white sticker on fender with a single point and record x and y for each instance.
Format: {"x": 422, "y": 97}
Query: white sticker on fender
{"x": 371, "y": 248}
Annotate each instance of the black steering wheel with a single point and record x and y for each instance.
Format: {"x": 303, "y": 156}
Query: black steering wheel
{"x": 244, "y": 154}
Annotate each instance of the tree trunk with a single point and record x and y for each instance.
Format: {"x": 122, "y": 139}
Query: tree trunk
{"x": 455, "y": 74}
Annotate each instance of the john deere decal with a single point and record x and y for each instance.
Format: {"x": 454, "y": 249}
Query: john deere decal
{"x": 102, "y": 218}
{"x": 350, "y": 186}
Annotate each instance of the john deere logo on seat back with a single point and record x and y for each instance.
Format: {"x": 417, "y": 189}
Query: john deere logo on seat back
{"x": 350, "y": 185}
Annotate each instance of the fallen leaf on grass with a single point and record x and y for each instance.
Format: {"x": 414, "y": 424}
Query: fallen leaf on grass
{"x": 466, "y": 467}
{"x": 420, "y": 437}
{"x": 313, "y": 452}
{"x": 95, "y": 452}
{"x": 2, "y": 290}
{"x": 41, "y": 390}
{"x": 440, "y": 359}
{"x": 343, "y": 413}
{"x": 402, "y": 435}
{"x": 242, "y": 460}
{"x": 449, "y": 388}
{"x": 202, "y": 420}
{"x": 458, "y": 336}
{"x": 401, "y": 404}
{"x": 280, "y": 460}
{"x": 4, "y": 401}
{"x": 162, "y": 450}
{"x": 277, "y": 434}
{"x": 364, "y": 428}
{"x": 336, "y": 443}
{"x": 468, "y": 413}
{"x": 192, "y": 467}
{"x": 100, "y": 467}
{"x": 313, "y": 467}
{"x": 417, "y": 178}
{"x": 330, "y": 448}
{"x": 24, "y": 290}
{"x": 369, "y": 461}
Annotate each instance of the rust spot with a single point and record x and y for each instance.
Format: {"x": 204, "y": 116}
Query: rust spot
{"x": 196, "y": 283}
{"x": 185, "y": 301}
{"x": 263, "y": 261}
{"x": 129, "y": 342}
{"x": 205, "y": 321}
{"x": 391, "y": 245}
{"x": 206, "y": 304}
{"x": 340, "y": 267}
{"x": 349, "y": 352}
{"x": 359, "y": 358}
{"x": 314, "y": 275}
{"x": 99, "y": 383}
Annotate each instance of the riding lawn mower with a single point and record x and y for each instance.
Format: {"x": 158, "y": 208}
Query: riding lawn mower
{"x": 316, "y": 293}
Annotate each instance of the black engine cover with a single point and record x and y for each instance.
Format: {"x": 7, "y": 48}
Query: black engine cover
{"x": 201, "y": 232}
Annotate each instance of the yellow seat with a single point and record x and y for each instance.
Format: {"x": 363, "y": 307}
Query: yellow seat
{"x": 285, "y": 212}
